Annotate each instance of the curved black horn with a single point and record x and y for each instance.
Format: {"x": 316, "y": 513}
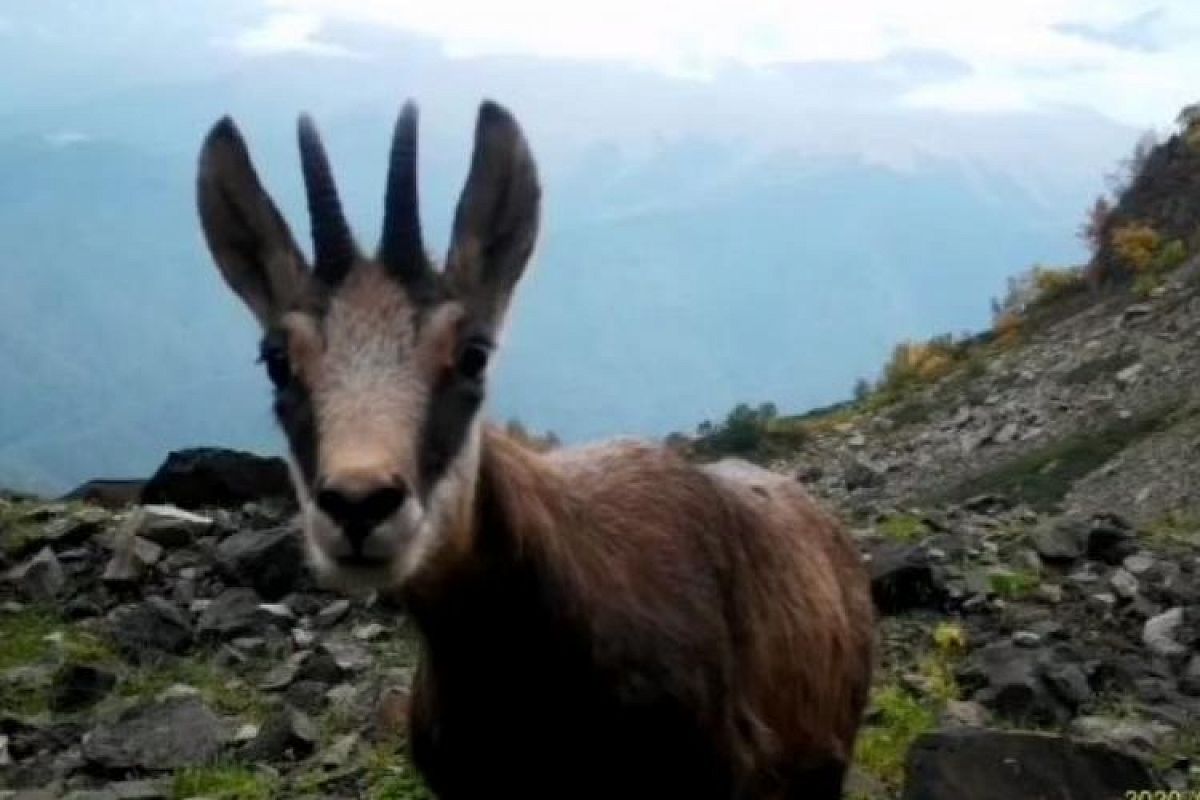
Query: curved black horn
{"x": 334, "y": 251}
{"x": 400, "y": 247}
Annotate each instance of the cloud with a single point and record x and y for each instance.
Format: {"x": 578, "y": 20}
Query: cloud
{"x": 1125, "y": 58}
{"x": 288, "y": 32}
{"x": 66, "y": 138}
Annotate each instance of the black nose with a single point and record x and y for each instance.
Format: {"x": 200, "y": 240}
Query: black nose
{"x": 357, "y": 510}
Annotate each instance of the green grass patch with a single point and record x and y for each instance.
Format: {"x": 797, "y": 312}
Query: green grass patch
{"x": 1014, "y": 584}
{"x": 391, "y": 776}
{"x": 36, "y": 634}
{"x": 883, "y": 746}
{"x": 1043, "y": 477}
{"x": 899, "y": 715}
{"x": 223, "y": 782}
{"x": 903, "y": 528}
{"x": 226, "y": 693}
{"x": 1174, "y": 527}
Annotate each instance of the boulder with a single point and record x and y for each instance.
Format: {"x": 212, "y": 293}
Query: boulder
{"x": 964, "y": 762}
{"x": 176, "y": 733}
{"x": 1060, "y": 541}
{"x": 148, "y": 629}
{"x": 169, "y": 526}
{"x": 272, "y": 562}
{"x": 41, "y": 578}
{"x": 287, "y": 735}
{"x": 207, "y": 477}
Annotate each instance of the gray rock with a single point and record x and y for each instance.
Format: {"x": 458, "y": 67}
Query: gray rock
{"x": 286, "y": 735}
{"x": 41, "y": 578}
{"x": 1124, "y": 584}
{"x": 1008, "y": 680}
{"x": 143, "y": 631}
{"x": 281, "y": 677}
{"x": 332, "y": 614}
{"x": 1159, "y": 634}
{"x": 169, "y": 526}
{"x": 1061, "y": 540}
{"x": 272, "y": 562}
{"x": 340, "y": 753}
{"x": 234, "y": 612}
{"x": 1140, "y": 738}
{"x": 132, "y": 555}
{"x": 964, "y": 712}
{"x": 962, "y": 763}
{"x": 158, "y": 737}
{"x": 1139, "y": 563}
{"x": 350, "y": 656}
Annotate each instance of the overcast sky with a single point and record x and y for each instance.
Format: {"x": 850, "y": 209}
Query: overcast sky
{"x": 1132, "y": 60}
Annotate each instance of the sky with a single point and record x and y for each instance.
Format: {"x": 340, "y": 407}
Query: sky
{"x": 1130, "y": 60}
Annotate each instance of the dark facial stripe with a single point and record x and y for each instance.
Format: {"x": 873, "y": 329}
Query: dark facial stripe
{"x": 294, "y": 412}
{"x": 453, "y": 404}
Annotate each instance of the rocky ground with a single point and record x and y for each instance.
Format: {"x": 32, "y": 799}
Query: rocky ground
{"x": 1032, "y": 525}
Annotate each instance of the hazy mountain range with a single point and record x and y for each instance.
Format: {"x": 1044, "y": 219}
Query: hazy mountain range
{"x": 758, "y": 236}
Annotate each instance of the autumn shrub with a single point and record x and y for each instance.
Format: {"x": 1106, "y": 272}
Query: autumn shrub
{"x": 1136, "y": 244}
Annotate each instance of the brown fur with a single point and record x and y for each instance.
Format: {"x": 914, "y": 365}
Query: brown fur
{"x": 746, "y": 593}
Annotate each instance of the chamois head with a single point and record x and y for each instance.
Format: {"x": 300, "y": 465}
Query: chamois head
{"x": 378, "y": 364}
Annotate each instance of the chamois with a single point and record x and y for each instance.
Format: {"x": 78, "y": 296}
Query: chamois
{"x": 608, "y": 621}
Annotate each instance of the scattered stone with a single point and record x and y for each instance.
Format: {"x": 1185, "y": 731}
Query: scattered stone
{"x": 341, "y": 752}
{"x": 349, "y": 656}
{"x": 5, "y": 758}
{"x": 987, "y": 504}
{"x": 79, "y": 686}
{"x": 286, "y": 735}
{"x": 169, "y": 526}
{"x": 1026, "y": 639}
{"x": 145, "y": 630}
{"x": 369, "y": 632}
{"x": 1008, "y": 681}
{"x": 308, "y": 696}
{"x": 271, "y": 562}
{"x": 1061, "y": 540}
{"x": 332, "y": 614}
{"x": 41, "y": 578}
{"x": 902, "y": 578}
{"x": 205, "y": 477}
{"x": 162, "y": 736}
{"x": 1139, "y": 563}
{"x": 282, "y": 676}
{"x": 247, "y": 732}
{"x": 999, "y": 765}
{"x": 1124, "y": 584}
{"x": 132, "y": 555}
{"x": 964, "y": 712}
{"x": 858, "y": 474}
{"x": 1130, "y": 374}
{"x": 1138, "y": 738}
{"x": 234, "y": 612}
{"x": 1159, "y": 634}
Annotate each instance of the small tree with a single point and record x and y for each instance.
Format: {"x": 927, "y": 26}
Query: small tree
{"x": 1092, "y": 230}
{"x": 1136, "y": 245}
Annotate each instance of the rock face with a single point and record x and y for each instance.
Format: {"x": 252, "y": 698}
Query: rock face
{"x": 149, "y": 629}
{"x": 272, "y": 562}
{"x": 163, "y": 736}
{"x": 202, "y": 477}
{"x": 974, "y": 764}
{"x": 41, "y": 578}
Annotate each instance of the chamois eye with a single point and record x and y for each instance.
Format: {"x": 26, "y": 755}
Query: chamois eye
{"x": 473, "y": 359}
{"x": 276, "y": 360}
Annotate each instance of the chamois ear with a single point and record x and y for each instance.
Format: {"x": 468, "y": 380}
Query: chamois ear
{"x": 496, "y": 221}
{"x": 246, "y": 234}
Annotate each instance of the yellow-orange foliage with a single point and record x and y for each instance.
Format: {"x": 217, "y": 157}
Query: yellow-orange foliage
{"x": 1007, "y": 327}
{"x": 1136, "y": 243}
{"x": 921, "y": 362}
